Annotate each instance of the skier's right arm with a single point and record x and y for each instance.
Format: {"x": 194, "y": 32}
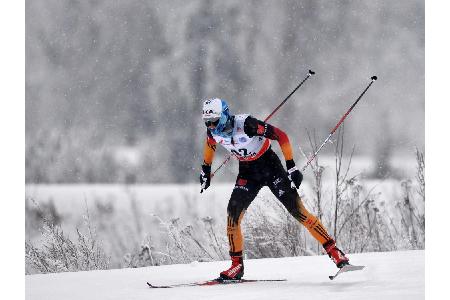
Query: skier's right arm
{"x": 209, "y": 149}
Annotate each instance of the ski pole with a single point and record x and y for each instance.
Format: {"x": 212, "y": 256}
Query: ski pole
{"x": 373, "y": 78}
{"x": 310, "y": 73}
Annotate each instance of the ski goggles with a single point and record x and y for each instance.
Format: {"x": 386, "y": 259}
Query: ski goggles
{"x": 212, "y": 121}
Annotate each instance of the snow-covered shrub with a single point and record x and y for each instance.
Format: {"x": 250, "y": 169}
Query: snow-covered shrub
{"x": 271, "y": 231}
{"x": 35, "y": 215}
{"x": 197, "y": 241}
{"x": 59, "y": 253}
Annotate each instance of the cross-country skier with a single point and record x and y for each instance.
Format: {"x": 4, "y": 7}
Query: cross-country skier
{"x": 249, "y": 140}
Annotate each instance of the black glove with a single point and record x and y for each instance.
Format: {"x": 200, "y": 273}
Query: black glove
{"x": 205, "y": 177}
{"x": 293, "y": 173}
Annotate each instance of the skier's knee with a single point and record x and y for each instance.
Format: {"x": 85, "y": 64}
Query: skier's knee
{"x": 291, "y": 203}
{"x": 235, "y": 210}
{"x": 298, "y": 211}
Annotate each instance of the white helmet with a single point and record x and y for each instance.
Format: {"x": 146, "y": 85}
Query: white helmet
{"x": 216, "y": 112}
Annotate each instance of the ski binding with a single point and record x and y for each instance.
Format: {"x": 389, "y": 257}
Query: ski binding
{"x": 346, "y": 268}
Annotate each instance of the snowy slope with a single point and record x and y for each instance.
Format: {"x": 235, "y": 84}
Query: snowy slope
{"x": 389, "y": 275}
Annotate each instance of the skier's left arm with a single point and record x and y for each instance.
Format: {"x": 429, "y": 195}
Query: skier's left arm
{"x": 255, "y": 127}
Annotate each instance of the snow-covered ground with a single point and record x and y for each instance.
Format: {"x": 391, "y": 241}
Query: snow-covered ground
{"x": 388, "y": 275}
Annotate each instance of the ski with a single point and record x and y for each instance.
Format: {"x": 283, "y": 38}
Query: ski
{"x": 346, "y": 268}
{"x": 212, "y": 282}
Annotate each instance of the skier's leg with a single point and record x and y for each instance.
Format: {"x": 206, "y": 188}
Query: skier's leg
{"x": 243, "y": 194}
{"x": 318, "y": 231}
{"x": 293, "y": 203}
{"x": 281, "y": 188}
{"x": 311, "y": 222}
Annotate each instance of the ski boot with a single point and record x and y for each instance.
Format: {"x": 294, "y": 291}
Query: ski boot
{"x": 336, "y": 255}
{"x": 236, "y": 271}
